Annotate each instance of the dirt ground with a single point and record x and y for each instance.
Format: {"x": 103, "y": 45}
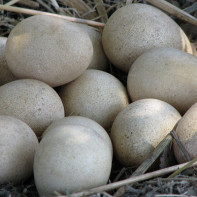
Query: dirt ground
{"x": 183, "y": 185}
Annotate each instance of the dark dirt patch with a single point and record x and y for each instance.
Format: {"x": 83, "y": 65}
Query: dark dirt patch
{"x": 27, "y": 189}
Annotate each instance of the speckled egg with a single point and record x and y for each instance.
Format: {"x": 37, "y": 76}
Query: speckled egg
{"x": 83, "y": 121}
{"x": 17, "y": 147}
{"x": 99, "y": 60}
{"x": 5, "y": 74}
{"x": 167, "y": 74}
{"x": 32, "y": 101}
{"x": 71, "y": 159}
{"x": 47, "y": 48}
{"x": 137, "y": 28}
{"x": 139, "y": 128}
{"x": 186, "y": 132}
{"x": 96, "y": 95}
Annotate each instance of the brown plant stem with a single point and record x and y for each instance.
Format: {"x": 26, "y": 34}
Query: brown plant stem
{"x": 35, "y": 12}
{"x": 131, "y": 180}
{"x": 173, "y": 10}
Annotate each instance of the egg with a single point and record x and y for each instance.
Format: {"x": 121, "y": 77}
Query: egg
{"x": 139, "y": 128}
{"x": 17, "y": 144}
{"x": 99, "y": 59}
{"x": 137, "y": 28}
{"x": 5, "y": 74}
{"x": 83, "y": 121}
{"x": 70, "y": 159}
{"x": 186, "y": 132}
{"x": 49, "y": 49}
{"x": 31, "y": 101}
{"x": 96, "y": 95}
{"x": 167, "y": 74}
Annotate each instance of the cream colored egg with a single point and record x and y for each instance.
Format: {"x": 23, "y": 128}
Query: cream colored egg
{"x": 99, "y": 60}
{"x": 139, "y": 128}
{"x": 49, "y": 49}
{"x": 96, "y": 95}
{"x": 32, "y": 101}
{"x": 83, "y": 121}
{"x": 71, "y": 159}
{"x": 17, "y": 146}
{"x": 137, "y": 28}
{"x": 5, "y": 74}
{"x": 186, "y": 132}
{"x": 167, "y": 74}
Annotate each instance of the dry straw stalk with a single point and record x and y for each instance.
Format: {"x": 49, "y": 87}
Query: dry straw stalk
{"x": 35, "y": 12}
{"x": 131, "y": 180}
{"x": 174, "y": 11}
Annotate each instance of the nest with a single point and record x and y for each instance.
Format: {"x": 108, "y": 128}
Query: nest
{"x": 181, "y": 182}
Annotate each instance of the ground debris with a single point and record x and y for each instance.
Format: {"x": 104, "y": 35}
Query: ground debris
{"x": 178, "y": 186}
{"x": 23, "y": 190}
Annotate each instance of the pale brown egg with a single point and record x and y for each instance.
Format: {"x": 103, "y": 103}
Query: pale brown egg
{"x": 5, "y": 74}
{"x": 70, "y": 159}
{"x": 49, "y": 49}
{"x": 186, "y": 132}
{"x": 167, "y": 74}
{"x": 95, "y": 94}
{"x": 137, "y": 28}
{"x": 17, "y": 144}
{"x": 139, "y": 128}
{"x": 31, "y": 101}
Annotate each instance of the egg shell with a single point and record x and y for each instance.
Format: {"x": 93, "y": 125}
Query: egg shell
{"x": 47, "y": 48}
{"x": 139, "y": 128}
{"x": 99, "y": 59}
{"x": 137, "y": 28}
{"x": 167, "y": 74}
{"x": 5, "y": 74}
{"x": 95, "y": 94}
{"x": 31, "y": 101}
{"x": 83, "y": 121}
{"x": 17, "y": 147}
{"x": 82, "y": 160}
{"x": 186, "y": 132}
